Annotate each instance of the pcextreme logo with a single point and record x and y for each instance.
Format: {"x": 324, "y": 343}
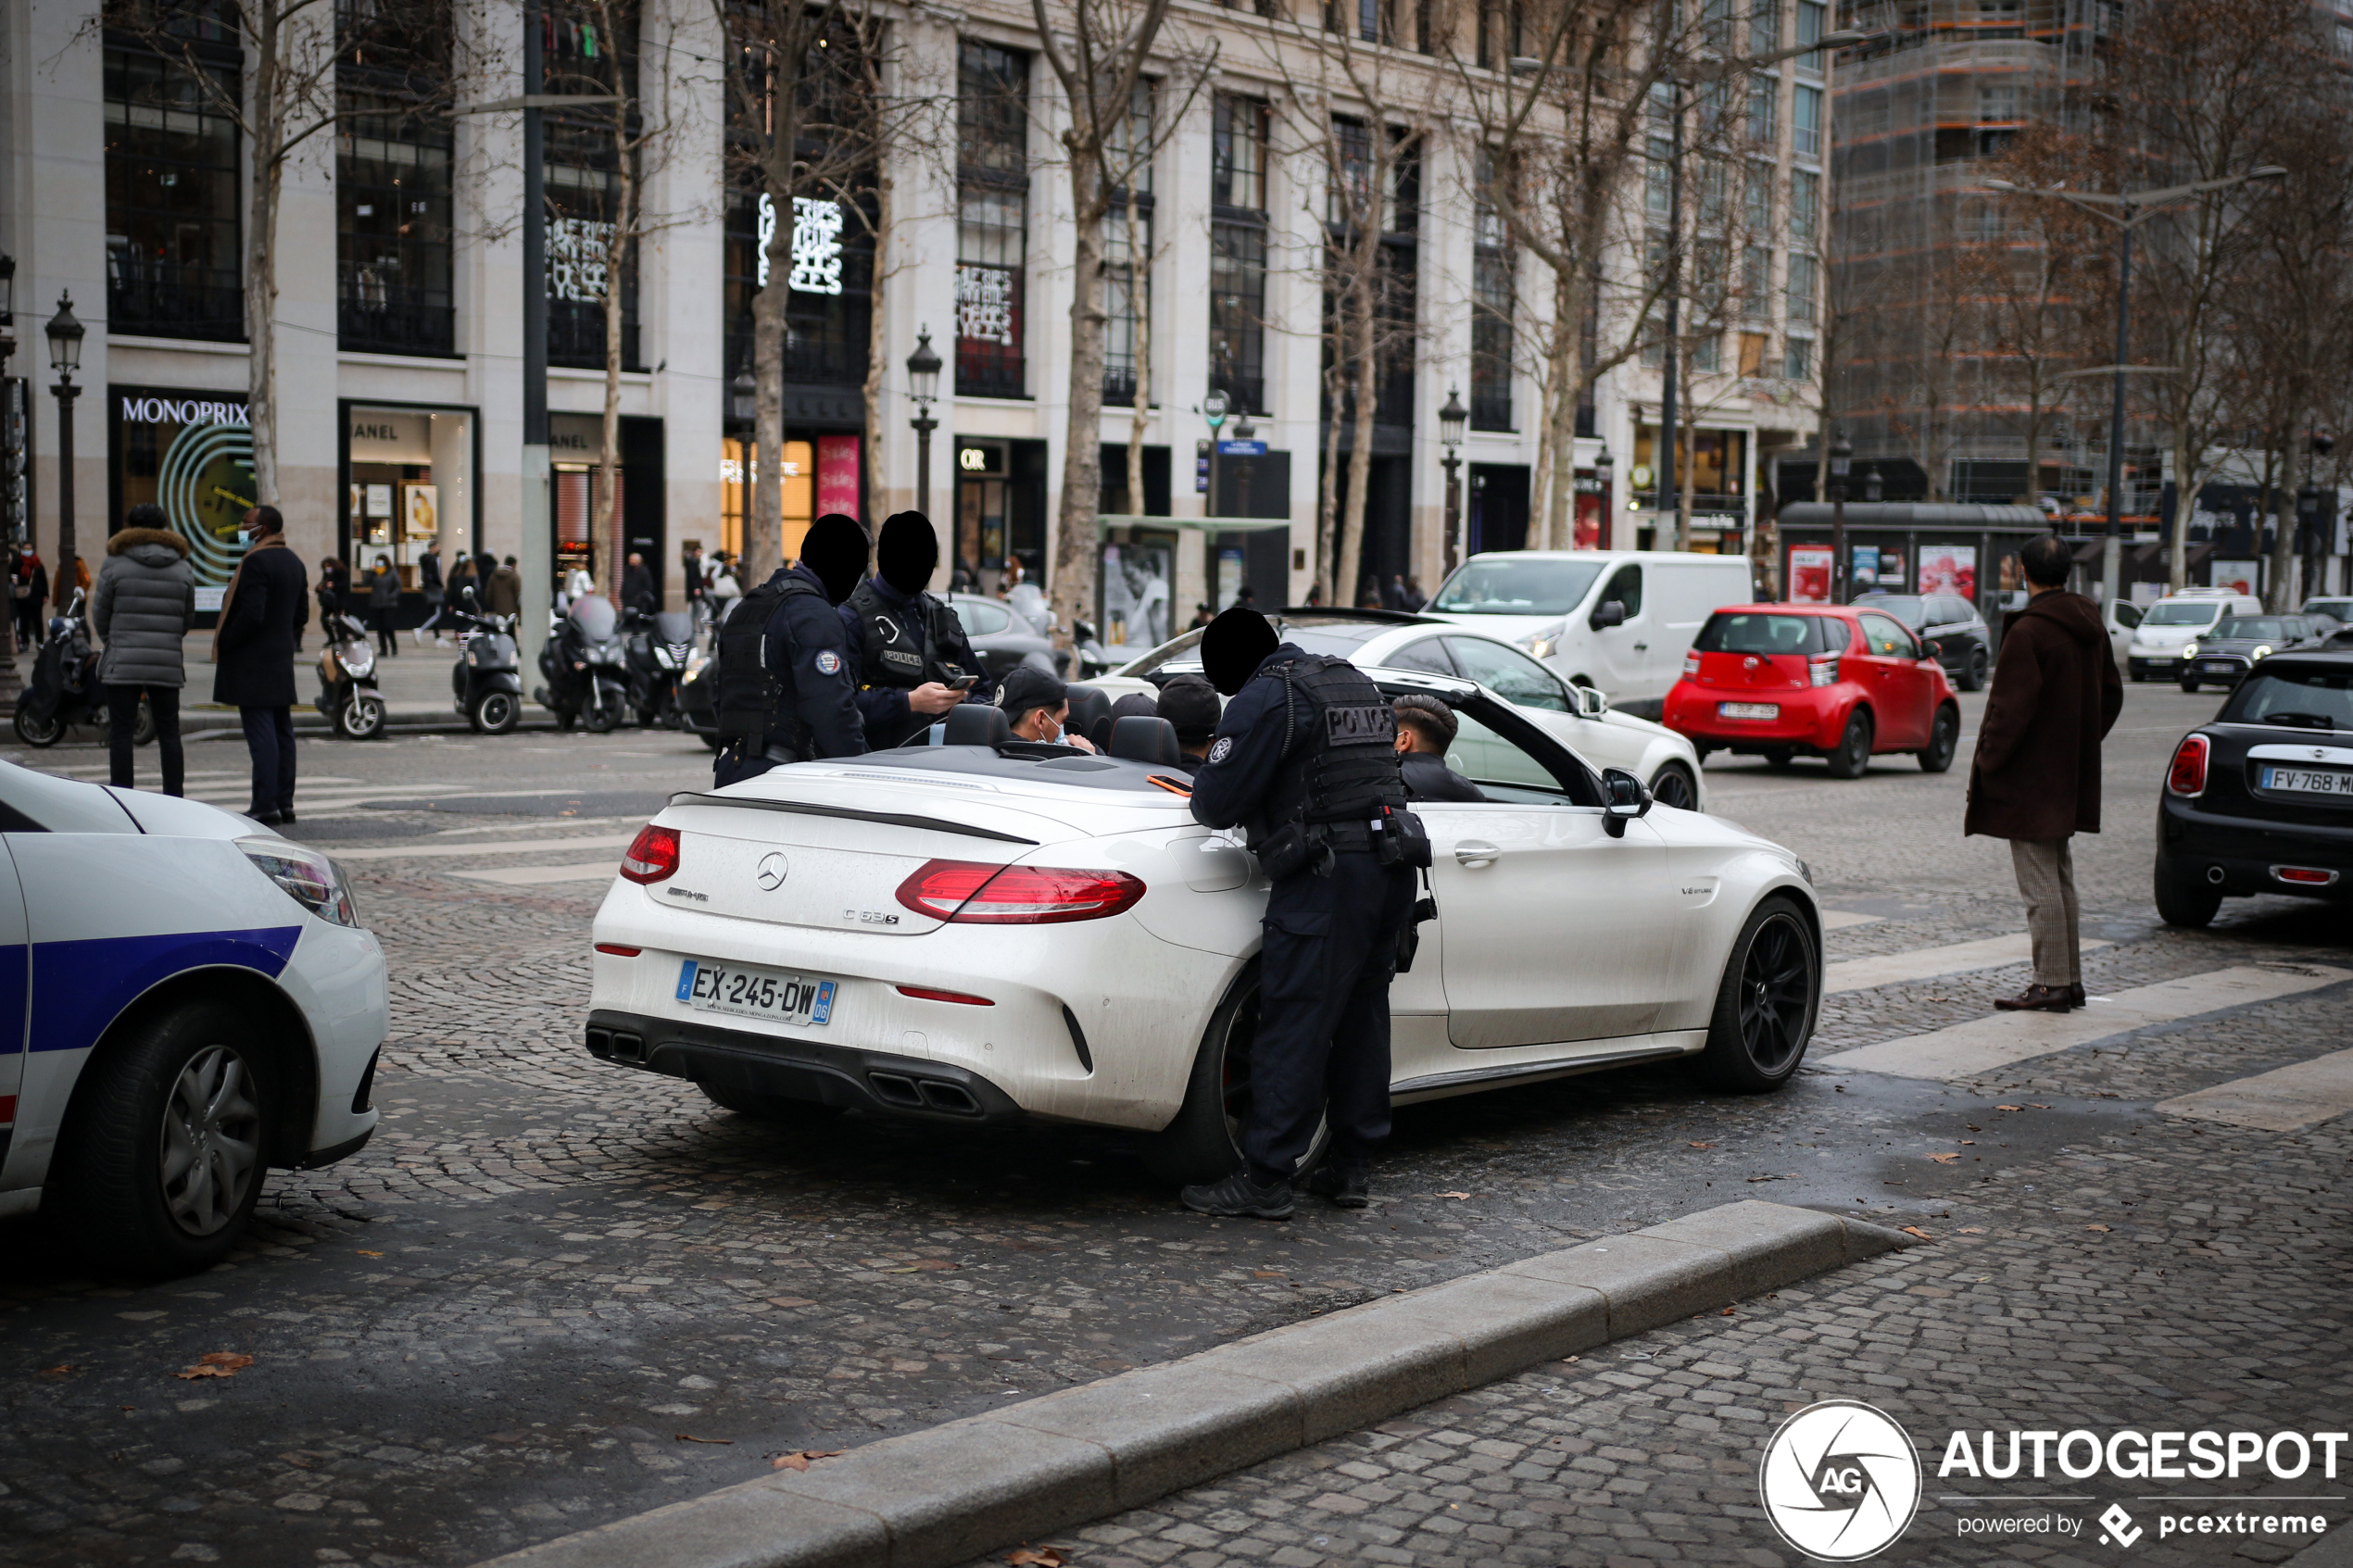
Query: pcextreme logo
{"x": 1840, "y": 1480}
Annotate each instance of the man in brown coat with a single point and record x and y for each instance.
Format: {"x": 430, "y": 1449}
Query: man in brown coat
{"x": 2036, "y": 778}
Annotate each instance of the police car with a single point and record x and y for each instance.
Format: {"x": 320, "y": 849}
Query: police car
{"x": 986, "y": 930}
{"x": 190, "y": 1000}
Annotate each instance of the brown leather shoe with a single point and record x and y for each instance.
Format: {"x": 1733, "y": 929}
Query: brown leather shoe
{"x": 2036, "y": 998}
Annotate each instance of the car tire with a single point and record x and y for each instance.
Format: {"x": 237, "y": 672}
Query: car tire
{"x": 2191, "y": 905}
{"x": 1203, "y": 1141}
{"x": 1852, "y": 757}
{"x": 495, "y": 713}
{"x": 1943, "y": 740}
{"x": 1765, "y": 1003}
{"x": 189, "y": 1084}
{"x": 768, "y": 1107}
{"x": 1673, "y": 785}
{"x": 362, "y": 716}
{"x": 1974, "y": 671}
{"x": 2189, "y": 688}
{"x": 1780, "y": 757}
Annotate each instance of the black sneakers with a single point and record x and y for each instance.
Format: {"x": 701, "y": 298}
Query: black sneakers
{"x": 1237, "y": 1197}
{"x": 1342, "y": 1187}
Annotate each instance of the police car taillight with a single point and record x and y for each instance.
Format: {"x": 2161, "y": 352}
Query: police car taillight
{"x": 974, "y": 893}
{"x": 653, "y": 856}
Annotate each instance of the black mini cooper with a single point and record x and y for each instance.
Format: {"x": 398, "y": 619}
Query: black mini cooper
{"x": 2261, "y": 800}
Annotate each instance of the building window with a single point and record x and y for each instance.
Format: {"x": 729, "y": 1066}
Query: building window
{"x": 1805, "y": 206}
{"x": 1763, "y": 26}
{"x": 172, "y": 234}
{"x": 1798, "y": 360}
{"x": 1127, "y": 249}
{"x": 1805, "y": 283}
{"x": 393, "y": 232}
{"x": 1238, "y": 252}
{"x": 585, "y": 261}
{"x": 1658, "y": 177}
{"x": 992, "y": 220}
{"x": 1757, "y": 284}
{"x": 1806, "y": 124}
{"x": 1764, "y": 110}
{"x": 1500, "y": 29}
{"x": 1491, "y": 302}
{"x": 1238, "y": 154}
{"x": 1810, "y": 15}
{"x": 1395, "y": 208}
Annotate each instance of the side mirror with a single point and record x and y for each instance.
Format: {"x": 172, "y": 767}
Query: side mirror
{"x": 1610, "y": 613}
{"x": 1623, "y": 799}
{"x": 1591, "y": 703}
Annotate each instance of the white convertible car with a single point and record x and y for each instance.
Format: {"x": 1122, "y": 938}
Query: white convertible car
{"x": 992, "y": 931}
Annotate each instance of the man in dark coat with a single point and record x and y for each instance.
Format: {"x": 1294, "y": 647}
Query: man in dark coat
{"x": 637, "y": 586}
{"x": 2036, "y": 777}
{"x": 266, "y": 607}
{"x": 1426, "y": 727}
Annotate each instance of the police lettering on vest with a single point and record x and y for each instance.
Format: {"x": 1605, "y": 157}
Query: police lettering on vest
{"x": 1340, "y": 767}
{"x": 904, "y": 651}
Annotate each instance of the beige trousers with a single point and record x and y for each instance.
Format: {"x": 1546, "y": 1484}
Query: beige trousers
{"x": 2047, "y": 881}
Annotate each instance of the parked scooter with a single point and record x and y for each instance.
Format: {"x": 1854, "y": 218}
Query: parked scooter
{"x": 1092, "y": 660}
{"x": 659, "y": 646}
{"x": 65, "y": 690}
{"x": 347, "y": 693}
{"x": 486, "y": 679}
{"x": 585, "y": 667}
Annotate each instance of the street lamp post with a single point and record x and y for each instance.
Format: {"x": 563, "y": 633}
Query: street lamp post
{"x": 1213, "y": 409}
{"x": 64, "y": 357}
{"x": 1451, "y": 421}
{"x": 1243, "y": 430}
{"x": 923, "y": 384}
{"x": 2132, "y": 209}
{"x": 1841, "y": 460}
{"x": 1604, "y": 475}
{"x": 15, "y": 519}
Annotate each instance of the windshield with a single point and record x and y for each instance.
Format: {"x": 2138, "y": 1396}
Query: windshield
{"x": 2300, "y": 700}
{"x": 594, "y": 612}
{"x": 1507, "y": 586}
{"x": 2262, "y": 628}
{"x": 1909, "y": 608}
{"x": 2181, "y": 613}
{"x": 1753, "y": 633}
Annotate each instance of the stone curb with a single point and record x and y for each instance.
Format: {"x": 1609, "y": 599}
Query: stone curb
{"x": 938, "y": 1497}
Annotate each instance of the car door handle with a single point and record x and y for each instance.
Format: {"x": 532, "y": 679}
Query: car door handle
{"x": 1475, "y": 852}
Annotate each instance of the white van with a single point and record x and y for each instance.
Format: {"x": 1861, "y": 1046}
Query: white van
{"x": 2155, "y": 652}
{"x": 1618, "y": 620}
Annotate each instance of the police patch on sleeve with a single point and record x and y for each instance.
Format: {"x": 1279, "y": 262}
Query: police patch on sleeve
{"x": 1223, "y": 749}
{"x": 829, "y": 662}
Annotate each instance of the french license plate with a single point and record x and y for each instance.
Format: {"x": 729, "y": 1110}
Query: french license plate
{"x": 745, "y": 991}
{"x": 1748, "y": 710}
{"x": 2308, "y": 781}
{"x": 2219, "y": 667}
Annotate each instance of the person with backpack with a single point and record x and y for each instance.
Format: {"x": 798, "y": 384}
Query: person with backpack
{"x": 787, "y": 669}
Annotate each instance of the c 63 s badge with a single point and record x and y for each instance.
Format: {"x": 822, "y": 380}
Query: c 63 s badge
{"x": 1839, "y": 1481}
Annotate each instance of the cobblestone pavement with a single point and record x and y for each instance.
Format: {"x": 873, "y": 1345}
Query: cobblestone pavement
{"x": 550, "y": 1293}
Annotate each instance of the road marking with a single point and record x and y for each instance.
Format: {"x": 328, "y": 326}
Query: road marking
{"x": 529, "y": 876}
{"x": 499, "y": 847}
{"x": 1922, "y": 963}
{"x": 2285, "y": 1099}
{"x": 1839, "y": 920}
{"x": 1984, "y": 1044}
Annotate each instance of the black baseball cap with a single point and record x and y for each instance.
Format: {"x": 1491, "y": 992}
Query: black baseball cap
{"x": 1027, "y": 686}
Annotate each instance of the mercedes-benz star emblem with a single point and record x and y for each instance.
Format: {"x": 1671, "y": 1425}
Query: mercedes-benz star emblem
{"x": 774, "y": 868}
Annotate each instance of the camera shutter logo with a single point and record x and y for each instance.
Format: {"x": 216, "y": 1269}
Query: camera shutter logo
{"x": 1840, "y": 1480}
{"x": 772, "y": 871}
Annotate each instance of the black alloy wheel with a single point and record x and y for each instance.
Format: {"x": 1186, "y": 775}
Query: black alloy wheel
{"x": 1203, "y": 1141}
{"x": 1765, "y": 1006}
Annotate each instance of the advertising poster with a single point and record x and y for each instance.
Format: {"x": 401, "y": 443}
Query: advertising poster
{"x": 1891, "y": 568}
{"x": 1136, "y": 580}
{"x": 192, "y": 455}
{"x": 1949, "y": 569}
{"x": 837, "y": 475}
{"x": 419, "y": 510}
{"x": 2239, "y": 576}
{"x": 1864, "y": 572}
{"x": 1810, "y": 574}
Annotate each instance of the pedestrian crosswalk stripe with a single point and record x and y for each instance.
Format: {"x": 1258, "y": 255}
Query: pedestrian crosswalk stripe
{"x": 1922, "y": 963}
{"x": 1984, "y": 1044}
{"x": 457, "y": 848}
{"x": 2285, "y": 1099}
{"x": 1839, "y": 920}
{"x": 527, "y": 876}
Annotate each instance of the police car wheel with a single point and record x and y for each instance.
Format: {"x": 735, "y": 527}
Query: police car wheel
{"x": 166, "y": 1147}
{"x": 1765, "y": 1006}
{"x": 1203, "y": 1142}
{"x": 766, "y": 1108}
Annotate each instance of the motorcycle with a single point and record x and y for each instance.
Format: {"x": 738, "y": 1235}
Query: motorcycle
{"x": 486, "y": 682}
{"x": 65, "y": 689}
{"x": 659, "y": 646}
{"x": 585, "y": 666}
{"x": 347, "y": 693}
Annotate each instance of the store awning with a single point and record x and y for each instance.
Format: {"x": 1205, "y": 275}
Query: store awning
{"x": 1105, "y": 521}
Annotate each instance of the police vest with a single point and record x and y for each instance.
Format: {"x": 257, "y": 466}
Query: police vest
{"x": 1339, "y": 765}
{"x": 903, "y": 649}
{"x": 758, "y": 705}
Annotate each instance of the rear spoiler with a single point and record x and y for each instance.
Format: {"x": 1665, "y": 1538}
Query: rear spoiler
{"x": 807, "y": 809}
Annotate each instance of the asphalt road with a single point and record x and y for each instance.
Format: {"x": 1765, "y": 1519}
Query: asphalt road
{"x": 551, "y": 1292}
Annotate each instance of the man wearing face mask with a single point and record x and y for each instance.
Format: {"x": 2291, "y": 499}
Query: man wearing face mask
{"x": 914, "y": 662}
{"x": 787, "y": 673}
{"x": 1305, "y": 760}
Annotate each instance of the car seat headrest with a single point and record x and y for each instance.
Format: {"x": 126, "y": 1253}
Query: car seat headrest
{"x": 1090, "y": 715}
{"x": 1140, "y": 739}
{"x": 975, "y": 724}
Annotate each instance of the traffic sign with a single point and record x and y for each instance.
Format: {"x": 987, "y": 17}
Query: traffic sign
{"x": 1241, "y": 448}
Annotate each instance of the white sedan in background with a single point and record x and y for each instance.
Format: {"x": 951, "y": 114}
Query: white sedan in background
{"x": 1579, "y": 717}
{"x": 969, "y": 933}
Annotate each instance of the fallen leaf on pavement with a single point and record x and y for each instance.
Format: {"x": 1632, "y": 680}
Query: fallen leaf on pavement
{"x": 2009, "y": 1108}
{"x": 1915, "y": 1230}
{"x": 1972, "y": 1230}
{"x": 2095, "y": 1227}
{"x": 367, "y": 1254}
{"x": 1728, "y": 1312}
{"x": 800, "y": 1461}
{"x": 60, "y": 1369}
{"x": 1943, "y": 1158}
{"x": 683, "y": 1438}
{"x": 1451, "y": 1195}
{"x": 1703, "y": 1146}
{"x": 216, "y": 1363}
{"x": 2032, "y": 1106}
{"x": 1046, "y": 1557}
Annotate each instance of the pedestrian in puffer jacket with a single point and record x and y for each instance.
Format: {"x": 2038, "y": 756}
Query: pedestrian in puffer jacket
{"x": 144, "y": 603}
{"x": 384, "y": 603}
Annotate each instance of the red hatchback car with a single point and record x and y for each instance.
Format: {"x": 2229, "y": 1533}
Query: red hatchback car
{"x": 1786, "y": 681}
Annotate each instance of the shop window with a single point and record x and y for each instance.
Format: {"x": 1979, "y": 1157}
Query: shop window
{"x": 172, "y": 229}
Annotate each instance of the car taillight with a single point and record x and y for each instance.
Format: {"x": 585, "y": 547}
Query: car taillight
{"x": 1690, "y": 665}
{"x": 2187, "y": 776}
{"x": 653, "y": 856}
{"x": 973, "y": 893}
{"x": 1822, "y": 669}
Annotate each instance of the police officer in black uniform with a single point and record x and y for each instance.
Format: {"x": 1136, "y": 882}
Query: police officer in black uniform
{"x": 914, "y": 662}
{"x": 787, "y": 671}
{"x": 1305, "y": 759}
